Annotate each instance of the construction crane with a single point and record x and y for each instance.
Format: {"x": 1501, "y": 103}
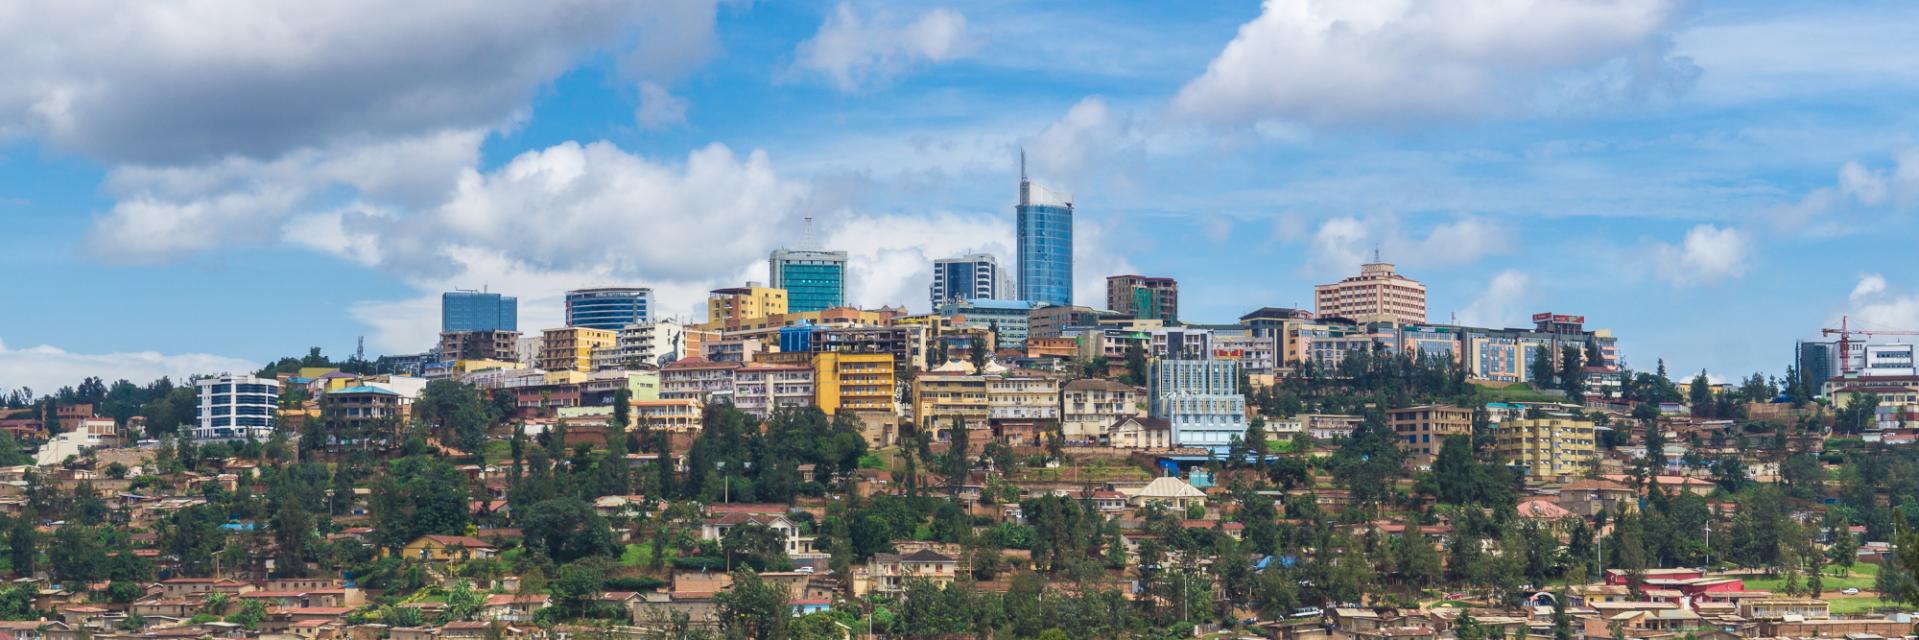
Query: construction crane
{"x": 1846, "y": 332}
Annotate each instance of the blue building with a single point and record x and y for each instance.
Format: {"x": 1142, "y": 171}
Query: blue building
{"x": 970, "y": 277}
{"x": 1200, "y": 399}
{"x": 609, "y": 308}
{"x": 813, "y": 280}
{"x": 1013, "y": 318}
{"x": 1045, "y": 237}
{"x": 478, "y": 311}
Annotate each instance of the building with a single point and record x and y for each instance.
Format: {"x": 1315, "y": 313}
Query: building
{"x": 1055, "y": 321}
{"x": 697, "y": 379}
{"x": 735, "y": 305}
{"x": 1423, "y": 429}
{"x": 1044, "y": 228}
{"x": 1818, "y": 362}
{"x": 1376, "y": 293}
{"x": 362, "y": 416}
{"x": 1200, "y": 399}
{"x": 1555, "y": 448}
{"x": 478, "y": 311}
{"x": 1888, "y": 360}
{"x": 236, "y": 407}
{"x": 969, "y": 277}
{"x": 763, "y": 389}
{"x": 1143, "y": 297}
{"x": 652, "y": 344}
{"x": 498, "y": 345}
{"x": 813, "y": 280}
{"x": 571, "y": 349}
{"x": 854, "y": 382}
{"x": 1009, "y": 319}
{"x": 1089, "y": 407}
{"x": 888, "y": 573}
{"x": 906, "y": 343}
{"x": 609, "y": 308}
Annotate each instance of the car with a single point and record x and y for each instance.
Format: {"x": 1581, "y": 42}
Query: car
{"x": 1851, "y": 591}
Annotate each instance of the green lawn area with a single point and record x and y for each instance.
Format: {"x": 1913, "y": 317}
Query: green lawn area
{"x": 1862, "y": 577}
{"x": 1861, "y": 604}
{"x": 496, "y": 452}
{"x": 1513, "y": 393}
{"x": 640, "y": 555}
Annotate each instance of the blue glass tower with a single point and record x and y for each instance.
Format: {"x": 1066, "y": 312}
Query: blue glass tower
{"x": 813, "y": 280}
{"x": 611, "y": 308}
{"x": 1045, "y": 237}
{"x": 478, "y": 311}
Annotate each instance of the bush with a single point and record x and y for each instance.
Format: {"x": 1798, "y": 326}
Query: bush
{"x": 636, "y": 583}
{"x": 699, "y": 563}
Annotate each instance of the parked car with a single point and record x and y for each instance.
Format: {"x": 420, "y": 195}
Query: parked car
{"x": 1851, "y": 591}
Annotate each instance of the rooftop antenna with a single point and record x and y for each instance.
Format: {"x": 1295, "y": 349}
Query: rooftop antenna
{"x": 1376, "y": 259}
{"x": 807, "y": 240}
{"x": 1022, "y": 164}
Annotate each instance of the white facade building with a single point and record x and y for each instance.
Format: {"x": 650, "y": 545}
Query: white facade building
{"x": 652, "y": 344}
{"x": 1201, "y": 400}
{"x": 233, "y": 407}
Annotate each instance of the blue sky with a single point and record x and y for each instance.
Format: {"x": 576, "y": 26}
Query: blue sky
{"x": 192, "y": 188}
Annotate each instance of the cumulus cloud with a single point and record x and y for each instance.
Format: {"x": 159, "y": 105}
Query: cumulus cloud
{"x": 1874, "y": 305}
{"x": 195, "y": 82}
{"x": 1857, "y": 187}
{"x": 45, "y": 368}
{"x": 1708, "y": 254}
{"x": 659, "y": 108}
{"x": 1342, "y": 243}
{"x": 854, "y": 52}
{"x": 1335, "y": 62}
{"x": 1501, "y": 304}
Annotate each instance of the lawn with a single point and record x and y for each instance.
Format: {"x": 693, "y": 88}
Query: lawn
{"x": 1862, "y": 577}
{"x": 641, "y": 555}
{"x": 496, "y": 452}
{"x": 1861, "y": 604}
{"x": 1513, "y": 393}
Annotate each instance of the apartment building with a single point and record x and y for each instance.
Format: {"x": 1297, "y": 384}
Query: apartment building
{"x": 861, "y": 382}
{"x": 571, "y": 348}
{"x": 698, "y": 379}
{"x": 1555, "y": 448}
{"x": 1376, "y": 293}
{"x": 1424, "y": 428}
{"x": 763, "y": 389}
{"x": 1090, "y": 406}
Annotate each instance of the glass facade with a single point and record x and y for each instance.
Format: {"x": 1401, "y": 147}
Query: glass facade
{"x": 974, "y": 277}
{"x": 478, "y": 311}
{"x": 611, "y": 309}
{"x": 1045, "y": 228}
{"x": 813, "y": 280}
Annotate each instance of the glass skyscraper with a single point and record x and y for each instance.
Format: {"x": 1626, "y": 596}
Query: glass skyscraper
{"x": 971, "y": 277}
{"x": 813, "y": 280}
{"x": 1045, "y": 229}
{"x": 478, "y": 311}
{"x": 610, "y": 308}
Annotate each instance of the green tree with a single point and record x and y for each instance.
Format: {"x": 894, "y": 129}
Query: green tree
{"x": 1541, "y": 368}
{"x": 566, "y": 529}
{"x": 753, "y": 609}
{"x": 462, "y": 603}
{"x": 1572, "y": 374}
{"x": 22, "y": 544}
{"x": 251, "y": 614}
{"x": 1136, "y": 363}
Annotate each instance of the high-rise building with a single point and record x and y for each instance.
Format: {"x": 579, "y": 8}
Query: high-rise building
{"x": 1818, "y": 363}
{"x": 479, "y": 345}
{"x": 741, "y": 304}
{"x": 1376, "y": 293}
{"x": 1143, "y": 297}
{"x": 609, "y": 308}
{"x": 1200, "y": 399}
{"x": 236, "y": 407}
{"x": 969, "y": 277}
{"x": 1552, "y": 448}
{"x": 1044, "y": 226}
{"x": 478, "y": 311}
{"x": 813, "y": 280}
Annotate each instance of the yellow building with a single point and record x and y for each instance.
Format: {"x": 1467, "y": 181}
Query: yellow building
{"x": 1423, "y": 429}
{"x": 853, "y": 382}
{"x": 939, "y": 398}
{"x": 435, "y": 548}
{"x": 571, "y": 349}
{"x": 739, "y": 304}
{"x": 1554, "y": 448}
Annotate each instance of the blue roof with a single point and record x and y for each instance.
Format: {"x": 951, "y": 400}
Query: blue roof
{"x": 988, "y": 303}
{"x": 367, "y": 389}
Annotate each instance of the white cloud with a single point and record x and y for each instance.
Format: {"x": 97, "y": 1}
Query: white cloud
{"x": 1342, "y": 243}
{"x": 659, "y": 109}
{"x": 1708, "y": 254}
{"x": 199, "y": 81}
{"x": 1502, "y": 304}
{"x": 46, "y": 368}
{"x": 1350, "y": 63}
{"x": 1857, "y": 188}
{"x": 855, "y": 52}
{"x": 1874, "y": 305}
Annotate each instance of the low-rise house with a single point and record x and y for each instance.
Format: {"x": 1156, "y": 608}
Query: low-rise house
{"x": 887, "y": 573}
{"x": 716, "y": 528}
{"x": 437, "y": 548}
{"x": 506, "y": 607}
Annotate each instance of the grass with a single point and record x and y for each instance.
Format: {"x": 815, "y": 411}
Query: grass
{"x": 1861, "y": 604}
{"x": 641, "y": 555}
{"x": 1862, "y": 577}
{"x": 1513, "y": 393}
{"x": 496, "y": 451}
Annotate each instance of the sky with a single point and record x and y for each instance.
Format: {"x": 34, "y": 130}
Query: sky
{"x": 203, "y": 186}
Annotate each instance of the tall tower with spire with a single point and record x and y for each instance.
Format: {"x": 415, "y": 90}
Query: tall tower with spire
{"x": 1043, "y": 222}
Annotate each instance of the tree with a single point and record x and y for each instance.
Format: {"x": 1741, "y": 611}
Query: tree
{"x": 1562, "y": 617}
{"x": 1699, "y": 394}
{"x": 566, "y": 529}
{"x": 22, "y": 541}
{"x": 957, "y": 455}
{"x": 1541, "y": 368}
{"x": 1135, "y": 363}
{"x": 250, "y": 615}
{"x": 753, "y": 609}
{"x": 457, "y": 412}
{"x": 462, "y": 603}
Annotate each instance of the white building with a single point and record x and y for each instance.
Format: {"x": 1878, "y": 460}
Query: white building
{"x": 1201, "y": 400}
{"x": 969, "y": 277}
{"x": 1090, "y": 406}
{"x": 1889, "y": 360}
{"x": 233, "y": 407}
{"x": 652, "y": 344}
{"x": 762, "y": 389}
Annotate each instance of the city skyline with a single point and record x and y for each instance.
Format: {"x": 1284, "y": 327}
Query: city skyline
{"x": 1674, "y": 180}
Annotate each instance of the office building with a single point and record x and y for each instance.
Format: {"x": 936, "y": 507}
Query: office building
{"x": 1010, "y": 319}
{"x": 1886, "y": 360}
{"x": 1143, "y": 297}
{"x": 1376, "y": 293}
{"x": 813, "y": 280}
{"x": 1044, "y": 232}
{"x": 652, "y": 345}
{"x": 1090, "y": 406}
{"x": 970, "y": 277}
{"x": 1818, "y": 362}
{"x": 609, "y": 308}
{"x": 860, "y": 382}
{"x": 735, "y": 305}
{"x": 478, "y": 311}
{"x": 1554, "y": 448}
{"x": 571, "y": 349}
{"x": 764, "y": 389}
{"x": 236, "y": 407}
{"x": 1200, "y": 399}
{"x": 479, "y": 345}
{"x": 1423, "y": 429}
